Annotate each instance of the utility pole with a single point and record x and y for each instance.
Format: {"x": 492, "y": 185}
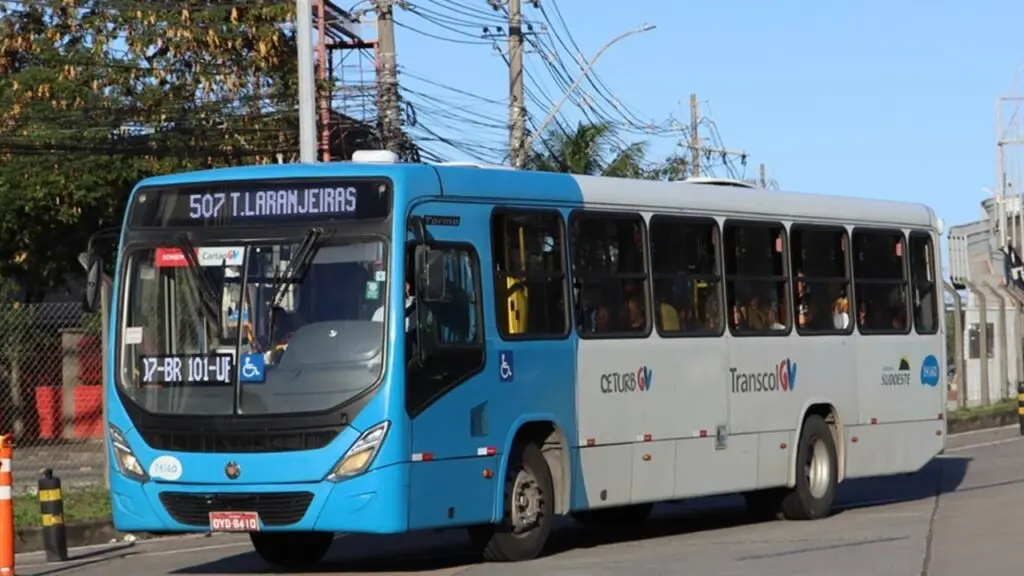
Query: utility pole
{"x": 516, "y": 99}
{"x": 696, "y": 148}
{"x": 307, "y": 84}
{"x": 387, "y": 77}
{"x": 763, "y": 176}
{"x": 694, "y": 137}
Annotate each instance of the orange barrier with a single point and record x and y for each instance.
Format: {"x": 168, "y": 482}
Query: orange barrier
{"x": 6, "y": 507}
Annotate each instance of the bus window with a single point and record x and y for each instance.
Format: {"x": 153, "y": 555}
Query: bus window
{"x": 821, "y": 279}
{"x": 756, "y": 280}
{"x": 608, "y": 263}
{"x": 922, "y": 274}
{"x": 686, "y": 276}
{"x": 880, "y": 281}
{"x": 530, "y": 283}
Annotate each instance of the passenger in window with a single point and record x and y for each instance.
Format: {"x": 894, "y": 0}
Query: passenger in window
{"x": 410, "y": 315}
{"x": 737, "y": 318}
{"x": 899, "y": 318}
{"x": 687, "y": 319}
{"x": 637, "y": 319}
{"x": 757, "y": 315}
{"x": 841, "y": 313}
{"x": 668, "y": 315}
{"x": 775, "y": 312}
{"x": 602, "y": 319}
{"x": 862, "y": 314}
{"x": 804, "y": 304}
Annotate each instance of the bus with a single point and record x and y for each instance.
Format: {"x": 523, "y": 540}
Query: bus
{"x": 377, "y": 347}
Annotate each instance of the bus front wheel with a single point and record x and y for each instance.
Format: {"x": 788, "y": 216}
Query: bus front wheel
{"x": 529, "y": 511}
{"x": 292, "y": 550}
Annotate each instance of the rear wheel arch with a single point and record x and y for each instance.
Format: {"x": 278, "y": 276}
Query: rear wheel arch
{"x": 830, "y": 413}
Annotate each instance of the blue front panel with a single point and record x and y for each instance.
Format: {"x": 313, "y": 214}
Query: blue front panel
{"x": 375, "y": 502}
{"x": 468, "y": 431}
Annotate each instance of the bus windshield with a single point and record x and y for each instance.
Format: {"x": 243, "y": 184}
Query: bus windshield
{"x": 244, "y": 329}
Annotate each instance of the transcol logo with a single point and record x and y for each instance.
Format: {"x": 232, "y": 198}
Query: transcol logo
{"x": 783, "y": 377}
{"x": 621, "y": 382}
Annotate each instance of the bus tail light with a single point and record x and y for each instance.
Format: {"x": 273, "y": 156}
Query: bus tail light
{"x": 359, "y": 457}
{"x": 126, "y": 460}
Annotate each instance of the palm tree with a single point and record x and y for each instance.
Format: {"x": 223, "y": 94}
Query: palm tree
{"x": 593, "y": 148}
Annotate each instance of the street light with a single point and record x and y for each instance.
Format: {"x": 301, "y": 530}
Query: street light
{"x": 586, "y": 70}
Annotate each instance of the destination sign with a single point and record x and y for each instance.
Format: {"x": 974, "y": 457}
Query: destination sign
{"x": 187, "y": 369}
{"x": 249, "y": 203}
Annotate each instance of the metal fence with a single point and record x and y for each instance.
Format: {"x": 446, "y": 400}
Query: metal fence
{"x": 985, "y": 349}
{"x": 51, "y": 392}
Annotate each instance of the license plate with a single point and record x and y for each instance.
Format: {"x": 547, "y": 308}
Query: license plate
{"x": 234, "y": 522}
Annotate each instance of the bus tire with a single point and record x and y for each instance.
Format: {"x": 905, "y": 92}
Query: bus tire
{"x": 618, "y": 515}
{"x": 529, "y": 511}
{"x": 292, "y": 550}
{"x": 816, "y": 473}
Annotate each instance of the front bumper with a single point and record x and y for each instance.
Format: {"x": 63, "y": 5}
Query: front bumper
{"x": 374, "y": 503}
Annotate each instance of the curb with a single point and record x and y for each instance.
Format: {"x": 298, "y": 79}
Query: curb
{"x": 981, "y": 421}
{"x": 78, "y": 534}
{"x": 103, "y": 532}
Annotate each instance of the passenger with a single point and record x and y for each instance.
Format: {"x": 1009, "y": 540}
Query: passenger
{"x": 841, "y": 313}
{"x": 669, "y": 316}
{"x": 637, "y": 320}
{"x": 602, "y": 319}
{"x": 409, "y": 309}
{"x": 804, "y": 303}
{"x": 738, "y": 318}
{"x": 757, "y": 315}
{"x": 899, "y": 319}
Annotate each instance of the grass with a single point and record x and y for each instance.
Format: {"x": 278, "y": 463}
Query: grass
{"x": 1004, "y": 406}
{"x": 80, "y": 505}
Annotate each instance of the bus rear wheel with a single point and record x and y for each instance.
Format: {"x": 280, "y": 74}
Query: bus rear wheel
{"x": 816, "y": 473}
{"x": 529, "y": 511}
{"x": 292, "y": 550}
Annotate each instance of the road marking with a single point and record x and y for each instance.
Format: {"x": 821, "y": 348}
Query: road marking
{"x": 983, "y": 444}
{"x": 196, "y": 549}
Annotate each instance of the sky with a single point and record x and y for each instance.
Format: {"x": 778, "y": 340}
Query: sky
{"x": 864, "y": 98}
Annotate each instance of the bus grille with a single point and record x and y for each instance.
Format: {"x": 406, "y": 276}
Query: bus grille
{"x": 274, "y": 508}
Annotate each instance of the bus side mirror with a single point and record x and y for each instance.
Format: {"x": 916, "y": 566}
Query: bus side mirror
{"x": 93, "y": 282}
{"x": 431, "y": 274}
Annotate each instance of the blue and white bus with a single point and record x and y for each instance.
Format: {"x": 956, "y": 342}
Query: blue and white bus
{"x": 374, "y": 347}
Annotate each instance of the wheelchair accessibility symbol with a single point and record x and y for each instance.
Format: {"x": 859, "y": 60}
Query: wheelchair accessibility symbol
{"x": 506, "y": 366}
{"x": 253, "y": 368}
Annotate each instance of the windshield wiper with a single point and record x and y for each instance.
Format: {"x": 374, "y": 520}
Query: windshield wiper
{"x": 298, "y": 264}
{"x": 209, "y": 295}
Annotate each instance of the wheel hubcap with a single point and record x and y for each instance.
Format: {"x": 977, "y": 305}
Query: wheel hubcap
{"x": 527, "y": 501}
{"x": 818, "y": 469}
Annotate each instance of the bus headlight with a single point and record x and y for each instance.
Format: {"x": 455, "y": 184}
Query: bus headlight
{"x": 127, "y": 463}
{"x": 359, "y": 457}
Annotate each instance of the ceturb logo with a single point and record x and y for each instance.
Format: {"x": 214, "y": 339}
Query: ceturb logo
{"x": 622, "y": 382}
{"x": 782, "y": 377}
{"x": 220, "y": 256}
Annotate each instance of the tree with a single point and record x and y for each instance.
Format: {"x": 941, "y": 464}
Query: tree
{"x": 596, "y": 149}
{"x": 97, "y": 94}
{"x": 589, "y": 149}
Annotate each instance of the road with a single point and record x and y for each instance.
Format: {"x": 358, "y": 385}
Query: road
{"x": 957, "y": 516}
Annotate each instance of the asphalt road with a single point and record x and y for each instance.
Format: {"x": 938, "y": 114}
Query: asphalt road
{"x": 958, "y": 516}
